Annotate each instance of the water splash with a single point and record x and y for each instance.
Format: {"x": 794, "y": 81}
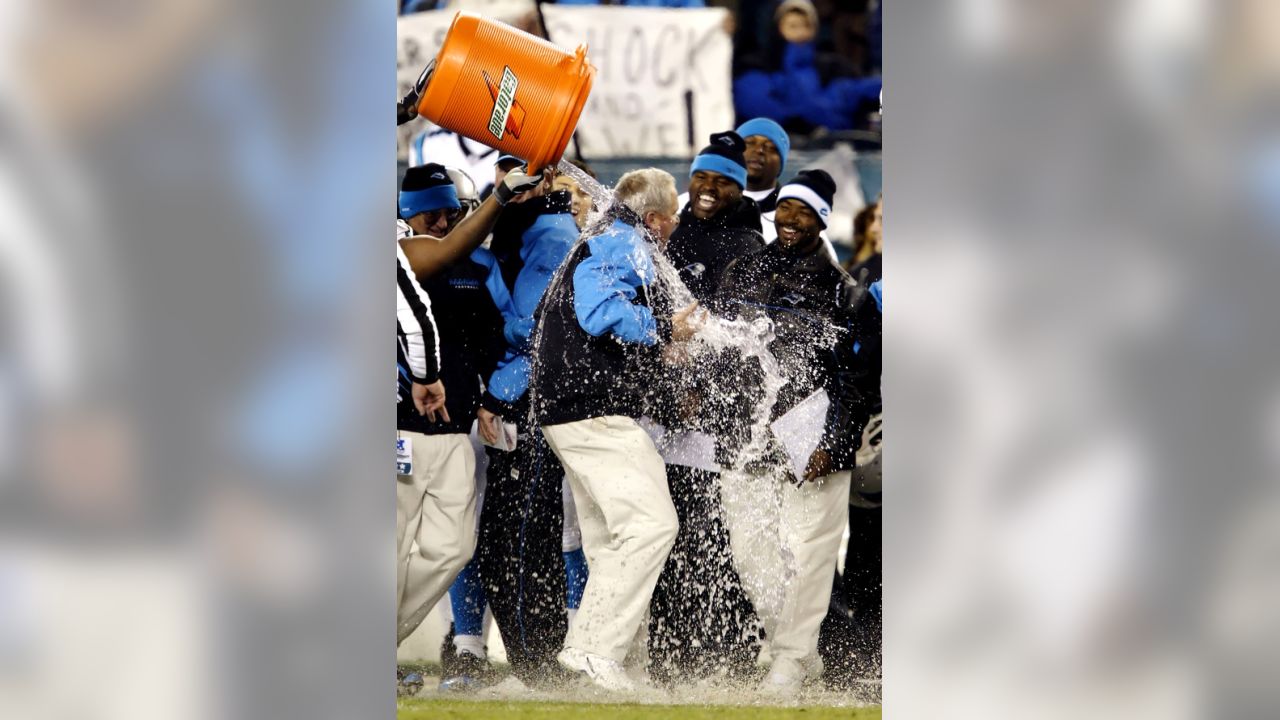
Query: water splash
{"x": 756, "y": 501}
{"x": 750, "y": 338}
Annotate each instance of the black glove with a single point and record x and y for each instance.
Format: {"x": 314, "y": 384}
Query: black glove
{"x": 513, "y": 184}
{"x": 407, "y": 108}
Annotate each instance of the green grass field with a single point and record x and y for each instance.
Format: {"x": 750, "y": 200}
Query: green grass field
{"x": 451, "y": 709}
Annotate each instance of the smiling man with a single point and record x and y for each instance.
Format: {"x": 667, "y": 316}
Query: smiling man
{"x": 811, "y": 304}
{"x": 767, "y": 146}
{"x": 428, "y": 200}
{"x": 718, "y": 224}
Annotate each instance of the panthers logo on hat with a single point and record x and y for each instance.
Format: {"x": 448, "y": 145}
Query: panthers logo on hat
{"x": 508, "y": 115}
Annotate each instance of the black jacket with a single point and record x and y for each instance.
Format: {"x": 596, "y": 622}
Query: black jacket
{"x": 601, "y": 325}
{"x": 701, "y": 249}
{"x": 769, "y": 203}
{"x": 471, "y": 342}
{"x": 868, "y": 271}
{"x": 814, "y": 307}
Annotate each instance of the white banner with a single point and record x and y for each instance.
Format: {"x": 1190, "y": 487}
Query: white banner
{"x": 663, "y": 81}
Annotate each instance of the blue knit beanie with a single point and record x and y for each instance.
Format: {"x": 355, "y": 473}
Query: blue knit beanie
{"x": 426, "y": 188}
{"x": 772, "y": 130}
{"x": 724, "y": 156}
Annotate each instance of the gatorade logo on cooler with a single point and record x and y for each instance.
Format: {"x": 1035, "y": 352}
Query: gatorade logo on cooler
{"x": 508, "y": 115}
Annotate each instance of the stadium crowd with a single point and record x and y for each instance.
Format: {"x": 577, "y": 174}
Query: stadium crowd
{"x": 591, "y": 394}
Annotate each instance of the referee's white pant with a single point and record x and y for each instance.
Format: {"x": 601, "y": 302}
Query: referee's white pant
{"x": 786, "y": 543}
{"x": 628, "y": 522}
{"x": 435, "y": 506}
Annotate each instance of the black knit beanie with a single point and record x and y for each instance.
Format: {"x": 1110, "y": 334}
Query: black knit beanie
{"x": 814, "y": 188}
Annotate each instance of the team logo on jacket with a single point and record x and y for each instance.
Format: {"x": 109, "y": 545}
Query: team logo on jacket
{"x": 508, "y": 115}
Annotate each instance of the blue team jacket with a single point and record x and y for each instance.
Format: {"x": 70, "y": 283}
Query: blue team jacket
{"x": 543, "y": 247}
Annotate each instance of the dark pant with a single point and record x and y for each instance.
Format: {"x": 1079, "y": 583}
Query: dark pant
{"x": 700, "y": 620}
{"x": 850, "y": 637}
{"x": 521, "y": 528}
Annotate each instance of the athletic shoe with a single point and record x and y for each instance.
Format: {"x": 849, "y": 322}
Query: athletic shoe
{"x": 784, "y": 680}
{"x": 467, "y": 673}
{"x": 603, "y": 672}
{"x": 409, "y": 683}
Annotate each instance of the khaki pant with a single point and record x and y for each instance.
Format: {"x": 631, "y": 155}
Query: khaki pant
{"x": 435, "y": 506}
{"x": 786, "y": 542}
{"x": 628, "y": 523}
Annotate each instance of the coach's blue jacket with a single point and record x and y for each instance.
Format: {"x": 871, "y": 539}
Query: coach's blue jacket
{"x": 602, "y": 326}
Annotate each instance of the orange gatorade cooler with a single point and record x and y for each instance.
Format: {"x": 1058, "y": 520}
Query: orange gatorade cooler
{"x": 507, "y": 89}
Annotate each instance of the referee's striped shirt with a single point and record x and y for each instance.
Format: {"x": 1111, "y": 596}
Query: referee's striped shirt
{"x": 418, "y": 340}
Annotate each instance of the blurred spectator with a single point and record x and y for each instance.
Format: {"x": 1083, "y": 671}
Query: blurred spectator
{"x": 413, "y": 6}
{"x": 875, "y": 30}
{"x": 868, "y": 244}
{"x": 638, "y": 3}
{"x": 852, "y": 31}
{"x": 794, "y": 84}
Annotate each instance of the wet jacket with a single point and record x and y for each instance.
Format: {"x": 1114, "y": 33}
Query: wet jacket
{"x": 814, "y": 308}
{"x": 468, "y": 299}
{"x": 543, "y": 248}
{"x": 701, "y": 249}
{"x": 600, "y": 327}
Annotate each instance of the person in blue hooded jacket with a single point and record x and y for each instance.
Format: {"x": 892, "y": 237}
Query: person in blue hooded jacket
{"x": 794, "y": 84}
{"x": 521, "y": 567}
{"x": 602, "y": 328}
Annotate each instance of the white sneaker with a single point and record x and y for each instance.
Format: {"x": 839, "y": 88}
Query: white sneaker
{"x": 814, "y": 666}
{"x": 603, "y": 672}
{"x": 785, "y": 678}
